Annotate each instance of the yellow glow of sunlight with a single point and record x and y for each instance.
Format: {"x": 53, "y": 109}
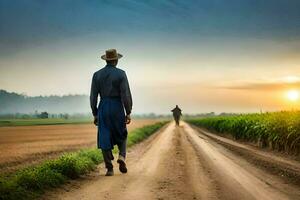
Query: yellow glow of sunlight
{"x": 293, "y": 95}
{"x": 291, "y": 79}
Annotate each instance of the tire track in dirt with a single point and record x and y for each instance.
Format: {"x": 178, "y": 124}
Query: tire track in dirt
{"x": 285, "y": 166}
{"x": 179, "y": 163}
{"x": 235, "y": 177}
{"x": 163, "y": 167}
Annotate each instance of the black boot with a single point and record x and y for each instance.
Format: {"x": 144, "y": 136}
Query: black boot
{"x": 109, "y": 172}
{"x": 122, "y": 164}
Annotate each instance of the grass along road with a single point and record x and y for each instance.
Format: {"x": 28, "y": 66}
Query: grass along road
{"x": 183, "y": 163}
{"x": 30, "y": 182}
{"x": 277, "y": 130}
{"x": 26, "y": 145}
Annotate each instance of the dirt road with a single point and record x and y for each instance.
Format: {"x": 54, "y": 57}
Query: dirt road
{"x": 26, "y": 145}
{"x": 184, "y": 163}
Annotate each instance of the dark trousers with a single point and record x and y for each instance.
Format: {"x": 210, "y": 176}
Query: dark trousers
{"x": 177, "y": 118}
{"x": 108, "y": 156}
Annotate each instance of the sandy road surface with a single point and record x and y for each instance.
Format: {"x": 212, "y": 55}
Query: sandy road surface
{"x": 26, "y": 145}
{"x": 181, "y": 163}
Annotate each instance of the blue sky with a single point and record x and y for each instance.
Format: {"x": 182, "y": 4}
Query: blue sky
{"x": 187, "y": 52}
{"x": 33, "y": 22}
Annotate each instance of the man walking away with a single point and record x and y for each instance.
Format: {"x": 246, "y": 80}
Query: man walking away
{"x": 112, "y": 85}
{"x": 176, "y": 114}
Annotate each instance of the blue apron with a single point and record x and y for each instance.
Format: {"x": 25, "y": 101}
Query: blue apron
{"x": 111, "y": 123}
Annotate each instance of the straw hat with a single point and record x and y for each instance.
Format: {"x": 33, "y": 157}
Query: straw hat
{"x": 111, "y": 54}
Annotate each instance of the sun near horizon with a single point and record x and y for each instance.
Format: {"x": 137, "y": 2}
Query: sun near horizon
{"x": 293, "y": 95}
{"x": 205, "y": 56}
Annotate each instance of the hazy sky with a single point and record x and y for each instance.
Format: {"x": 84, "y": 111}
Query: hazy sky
{"x": 205, "y": 55}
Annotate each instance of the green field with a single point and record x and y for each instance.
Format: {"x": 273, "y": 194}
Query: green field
{"x": 278, "y": 130}
{"x": 51, "y": 121}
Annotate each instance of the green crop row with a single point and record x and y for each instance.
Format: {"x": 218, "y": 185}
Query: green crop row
{"x": 278, "y": 130}
{"x": 49, "y": 121}
{"x": 30, "y": 182}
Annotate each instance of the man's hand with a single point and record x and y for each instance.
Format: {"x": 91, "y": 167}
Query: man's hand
{"x": 127, "y": 119}
{"x": 96, "y": 120}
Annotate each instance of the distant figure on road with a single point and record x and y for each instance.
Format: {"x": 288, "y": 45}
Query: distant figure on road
{"x": 176, "y": 114}
{"x": 112, "y": 85}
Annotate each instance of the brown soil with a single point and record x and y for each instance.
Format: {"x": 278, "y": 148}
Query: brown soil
{"x": 182, "y": 163}
{"x": 26, "y": 145}
{"x": 283, "y": 165}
